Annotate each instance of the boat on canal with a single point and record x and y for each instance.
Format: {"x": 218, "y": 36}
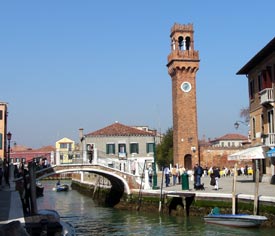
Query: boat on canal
{"x": 61, "y": 187}
{"x": 48, "y": 222}
{"x": 236, "y": 220}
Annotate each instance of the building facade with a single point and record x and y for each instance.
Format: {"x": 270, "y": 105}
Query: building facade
{"x": 118, "y": 142}
{"x": 65, "y": 148}
{"x": 21, "y": 154}
{"x": 3, "y": 128}
{"x": 260, "y": 73}
{"x": 183, "y": 63}
{"x": 229, "y": 140}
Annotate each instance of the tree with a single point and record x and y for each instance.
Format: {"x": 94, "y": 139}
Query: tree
{"x": 165, "y": 149}
{"x": 244, "y": 114}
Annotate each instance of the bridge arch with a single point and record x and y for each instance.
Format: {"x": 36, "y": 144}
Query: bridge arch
{"x": 120, "y": 181}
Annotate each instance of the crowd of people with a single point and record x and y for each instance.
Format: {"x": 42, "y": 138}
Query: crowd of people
{"x": 215, "y": 173}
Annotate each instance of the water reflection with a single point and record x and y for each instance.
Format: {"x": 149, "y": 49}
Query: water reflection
{"x": 91, "y": 219}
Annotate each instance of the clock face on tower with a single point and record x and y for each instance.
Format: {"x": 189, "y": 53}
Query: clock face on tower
{"x": 186, "y": 87}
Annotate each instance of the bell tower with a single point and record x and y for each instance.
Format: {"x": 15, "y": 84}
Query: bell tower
{"x": 183, "y": 63}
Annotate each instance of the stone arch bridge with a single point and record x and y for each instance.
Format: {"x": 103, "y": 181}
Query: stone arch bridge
{"x": 121, "y": 181}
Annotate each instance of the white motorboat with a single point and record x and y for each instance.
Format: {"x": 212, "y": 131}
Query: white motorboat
{"x": 238, "y": 220}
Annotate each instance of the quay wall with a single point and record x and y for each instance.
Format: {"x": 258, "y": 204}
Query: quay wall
{"x": 151, "y": 202}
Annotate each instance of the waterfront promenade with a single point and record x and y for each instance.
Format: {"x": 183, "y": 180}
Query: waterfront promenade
{"x": 11, "y": 207}
{"x": 245, "y": 188}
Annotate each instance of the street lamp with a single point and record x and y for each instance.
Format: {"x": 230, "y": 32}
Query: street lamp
{"x": 237, "y": 124}
{"x": 9, "y": 148}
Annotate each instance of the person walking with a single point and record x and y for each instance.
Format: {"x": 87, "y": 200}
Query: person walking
{"x": 150, "y": 174}
{"x": 198, "y": 171}
{"x": 6, "y": 172}
{"x": 174, "y": 173}
{"x": 216, "y": 174}
{"x": 167, "y": 176}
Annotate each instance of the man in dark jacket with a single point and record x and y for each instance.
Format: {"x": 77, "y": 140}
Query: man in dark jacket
{"x": 216, "y": 173}
{"x": 198, "y": 171}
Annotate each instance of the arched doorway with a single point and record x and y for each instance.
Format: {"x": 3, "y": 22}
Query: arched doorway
{"x": 188, "y": 162}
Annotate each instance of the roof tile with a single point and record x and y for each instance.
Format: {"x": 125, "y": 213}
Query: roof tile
{"x": 117, "y": 129}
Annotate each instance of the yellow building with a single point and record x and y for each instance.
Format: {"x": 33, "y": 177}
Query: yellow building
{"x": 65, "y": 147}
{"x": 3, "y": 128}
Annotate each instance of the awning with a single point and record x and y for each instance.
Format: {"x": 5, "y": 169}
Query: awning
{"x": 248, "y": 154}
{"x": 271, "y": 153}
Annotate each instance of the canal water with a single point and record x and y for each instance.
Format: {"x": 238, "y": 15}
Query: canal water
{"x": 88, "y": 218}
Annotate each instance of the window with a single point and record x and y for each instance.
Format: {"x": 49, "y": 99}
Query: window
{"x": 69, "y": 147}
{"x": 110, "y": 148}
{"x": 1, "y": 115}
{"x": 270, "y": 122}
{"x": 253, "y": 128}
{"x": 133, "y": 148}
{"x": 150, "y": 147}
{"x": 122, "y": 148}
{"x": 259, "y": 82}
{"x": 251, "y": 89}
{"x": 1, "y": 140}
{"x": 63, "y": 145}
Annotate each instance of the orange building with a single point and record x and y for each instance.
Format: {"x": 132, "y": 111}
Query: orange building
{"x": 3, "y": 128}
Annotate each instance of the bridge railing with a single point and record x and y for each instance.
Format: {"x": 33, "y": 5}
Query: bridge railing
{"x": 130, "y": 165}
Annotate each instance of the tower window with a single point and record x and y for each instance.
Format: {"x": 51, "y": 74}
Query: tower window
{"x": 181, "y": 44}
{"x": 188, "y": 42}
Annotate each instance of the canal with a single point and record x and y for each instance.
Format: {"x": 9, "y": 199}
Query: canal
{"x": 88, "y": 218}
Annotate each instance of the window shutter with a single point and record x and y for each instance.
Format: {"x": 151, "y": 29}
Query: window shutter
{"x": 107, "y": 149}
{"x": 137, "y": 149}
{"x": 1, "y": 140}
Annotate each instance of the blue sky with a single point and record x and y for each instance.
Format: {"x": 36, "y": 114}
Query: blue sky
{"x": 66, "y": 65}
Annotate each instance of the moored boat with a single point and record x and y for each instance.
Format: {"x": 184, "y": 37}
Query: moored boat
{"x": 237, "y": 220}
{"x": 48, "y": 222}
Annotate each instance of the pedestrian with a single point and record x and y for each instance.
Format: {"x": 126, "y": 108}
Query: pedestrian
{"x": 6, "y": 171}
{"x": 216, "y": 173}
{"x": 198, "y": 171}
{"x": 15, "y": 172}
{"x": 212, "y": 179}
{"x": 150, "y": 174}
{"x": 180, "y": 172}
{"x": 174, "y": 173}
{"x": 167, "y": 176}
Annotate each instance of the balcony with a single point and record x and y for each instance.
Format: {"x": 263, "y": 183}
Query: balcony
{"x": 266, "y": 96}
{"x": 122, "y": 155}
{"x": 269, "y": 139}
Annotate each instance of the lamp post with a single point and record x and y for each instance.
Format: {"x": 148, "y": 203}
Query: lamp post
{"x": 155, "y": 176}
{"x": 9, "y": 148}
{"x": 237, "y": 124}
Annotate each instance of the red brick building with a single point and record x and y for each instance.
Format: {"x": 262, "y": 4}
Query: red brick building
{"x": 24, "y": 154}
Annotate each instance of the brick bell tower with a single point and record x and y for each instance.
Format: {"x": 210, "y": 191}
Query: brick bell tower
{"x": 183, "y": 63}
